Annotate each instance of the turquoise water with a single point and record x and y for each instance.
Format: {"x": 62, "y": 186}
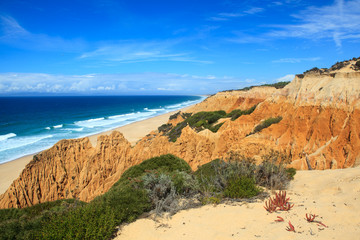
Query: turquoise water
{"x": 32, "y": 124}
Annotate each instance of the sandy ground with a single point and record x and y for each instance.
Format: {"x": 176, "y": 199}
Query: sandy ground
{"x": 133, "y": 132}
{"x": 333, "y": 195}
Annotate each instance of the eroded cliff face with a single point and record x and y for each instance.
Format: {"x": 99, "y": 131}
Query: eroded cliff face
{"x": 230, "y": 100}
{"x": 320, "y": 120}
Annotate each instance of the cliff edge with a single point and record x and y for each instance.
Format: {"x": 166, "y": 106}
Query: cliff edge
{"x": 317, "y": 126}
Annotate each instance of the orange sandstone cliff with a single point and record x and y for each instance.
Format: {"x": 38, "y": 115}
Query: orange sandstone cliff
{"x": 320, "y": 122}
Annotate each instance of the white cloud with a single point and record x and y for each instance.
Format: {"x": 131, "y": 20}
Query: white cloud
{"x": 130, "y": 52}
{"x": 286, "y": 78}
{"x": 224, "y": 16}
{"x": 254, "y": 10}
{"x": 296, "y": 60}
{"x": 218, "y": 19}
{"x": 12, "y": 33}
{"x": 231, "y": 14}
{"x": 338, "y": 22}
{"x": 147, "y": 83}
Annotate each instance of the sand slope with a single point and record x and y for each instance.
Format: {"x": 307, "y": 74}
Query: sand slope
{"x": 332, "y": 194}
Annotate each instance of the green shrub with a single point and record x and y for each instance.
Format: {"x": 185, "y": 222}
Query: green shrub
{"x": 241, "y": 187}
{"x": 98, "y": 219}
{"x": 185, "y": 184}
{"x": 291, "y": 173}
{"x": 214, "y": 177}
{"x": 26, "y": 223}
{"x": 124, "y": 202}
{"x": 175, "y": 132}
{"x": 272, "y": 172}
{"x": 235, "y": 114}
{"x": 200, "y": 121}
{"x": 174, "y": 116}
{"x": 265, "y": 124}
{"x": 211, "y": 117}
{"x": 165, "y": 128}
{"x": 211, "y": 200}
{"x": 215, "y": 128}
{"x": 163, "y": 163}
{"x": 161, "y": 191}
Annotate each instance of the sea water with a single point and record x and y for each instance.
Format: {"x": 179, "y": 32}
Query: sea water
{"x": 32, "y": 124}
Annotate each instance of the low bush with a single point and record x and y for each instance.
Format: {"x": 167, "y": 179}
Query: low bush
{"x": 185, "y": 183}
{"x": 161, "y": 191}
{"x": 163, "y": 163}
{"x": 175, "y": 132}
{"x": 241, "y": 187}
{"x": 26, "y": 223}
{"x": 98, "y": 219}
{"x": 234, "y": 179}
{"x": 291, "y": 173}
{"x": 165, "y": 128}
{"x": 272, "y": 172}
{"x": 174, "y": 116}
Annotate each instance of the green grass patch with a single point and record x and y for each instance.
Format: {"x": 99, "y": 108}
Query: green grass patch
{"x": 265, "y": 124}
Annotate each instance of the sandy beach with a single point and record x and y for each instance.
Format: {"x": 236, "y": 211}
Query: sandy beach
{"x": 333, "y": 195}
{"x": 133, "y": 132}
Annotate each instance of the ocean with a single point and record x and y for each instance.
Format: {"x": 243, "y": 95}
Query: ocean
{"x": 32, "y": 124}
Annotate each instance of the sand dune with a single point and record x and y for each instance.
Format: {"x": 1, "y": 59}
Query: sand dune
{"x": 333, "y": 195}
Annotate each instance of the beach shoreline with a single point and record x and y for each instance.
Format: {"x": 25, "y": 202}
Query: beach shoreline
{"x": 133, "y": 132}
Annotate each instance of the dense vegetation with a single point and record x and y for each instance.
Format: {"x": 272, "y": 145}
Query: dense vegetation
{"x": 160, "y": 184}
{"x": 200, "y": 121}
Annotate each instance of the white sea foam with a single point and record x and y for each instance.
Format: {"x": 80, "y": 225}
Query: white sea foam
{"x": 155, "y": 110}
{"x": 73, "y": 129}
{"x": 13, "y": 143}
{"x": 13, "y": 146}
{"x": 114, "y": 121}
{"x": 127, "y": 115}
{"x": 7, "y": 136}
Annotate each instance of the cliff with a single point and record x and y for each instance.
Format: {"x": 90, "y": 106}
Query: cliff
{"x": 320, "y": 121}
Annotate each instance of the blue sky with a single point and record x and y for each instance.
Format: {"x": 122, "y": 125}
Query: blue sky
{"x": 168, "y": 47}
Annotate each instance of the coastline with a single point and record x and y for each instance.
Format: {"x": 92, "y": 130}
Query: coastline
{"x": 133, "y": 132}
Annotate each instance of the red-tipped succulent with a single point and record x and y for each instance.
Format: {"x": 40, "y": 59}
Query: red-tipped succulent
{"x": 279, "y": 219}
{"x": 269, "y": 206}
{"x": 279, "y": 201}
{"x": 290, "y": 228}
{"x": 310, "y": 217}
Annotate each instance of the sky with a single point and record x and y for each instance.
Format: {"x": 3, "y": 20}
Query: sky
{"x": 132, "y": 47}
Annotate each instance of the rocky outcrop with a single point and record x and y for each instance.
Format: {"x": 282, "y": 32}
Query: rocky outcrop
{"x": 320, "y": 122}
